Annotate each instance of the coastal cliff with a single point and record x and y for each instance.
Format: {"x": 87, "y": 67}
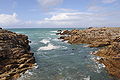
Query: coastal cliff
{"x": 15, "y": 55}
{"x": 106, "y": 38}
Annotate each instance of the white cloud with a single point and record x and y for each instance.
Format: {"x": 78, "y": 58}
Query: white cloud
{"x": 8, "y": 20}
{"x": 65, "y": 10}
{"x": 46, "y": 4}
{"x": 64, "y": 19}
{"x": 108, "y": 1}
{"x": 70, "y": 16}
{"x": 80, "y": 19}
{"x": 73, "y": 19}
{"x": 95, "y": 8}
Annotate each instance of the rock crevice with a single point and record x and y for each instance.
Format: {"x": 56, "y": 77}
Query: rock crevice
{"x": 15, "y": 55}
{"x": 107, "y": 37}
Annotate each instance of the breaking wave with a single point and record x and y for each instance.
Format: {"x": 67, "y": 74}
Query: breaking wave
{"x": 49, "y": 47}
{"x": 45, "y": 41}
{"x": 54, "y": 31}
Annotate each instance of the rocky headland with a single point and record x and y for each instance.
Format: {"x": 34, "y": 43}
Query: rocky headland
{"x": 107, "y": 38}
{"x": 15, "y": 55}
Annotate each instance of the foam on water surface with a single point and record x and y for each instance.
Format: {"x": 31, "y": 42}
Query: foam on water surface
{"x": 45, "y": 41}
{"x": 52, "y": 34}
{"x": 57, "y": 60}
{"x": 54, "y": 31}
{"x": 49, "y": 47}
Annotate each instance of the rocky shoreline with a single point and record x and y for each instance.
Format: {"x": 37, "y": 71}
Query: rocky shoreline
{"x": 108, "y": 38}
{"x": 15, "y": 55}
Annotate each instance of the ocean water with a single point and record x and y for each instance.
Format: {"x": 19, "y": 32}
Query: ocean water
{"x": 57, "y": 60}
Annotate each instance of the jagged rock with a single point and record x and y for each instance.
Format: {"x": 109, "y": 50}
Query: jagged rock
{"x": 111, "y": 58}
{"x": 65, "y": 32}
{"x": 59, "y": 30}
{"x": 106, "y": 37}
{"x": 15, "y": 55}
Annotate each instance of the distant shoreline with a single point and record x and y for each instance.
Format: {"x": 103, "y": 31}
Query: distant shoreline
{"x": 48, "y": 27}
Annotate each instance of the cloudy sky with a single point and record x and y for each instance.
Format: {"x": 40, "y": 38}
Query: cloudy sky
{"x": 59, "y": 13}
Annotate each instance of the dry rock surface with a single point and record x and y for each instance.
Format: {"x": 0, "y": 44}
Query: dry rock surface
{"x": 108, "y": 38}
{"x": 15, "y": 55}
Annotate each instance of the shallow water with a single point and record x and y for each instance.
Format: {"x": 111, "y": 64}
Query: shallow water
{"x": 59, "y": 60}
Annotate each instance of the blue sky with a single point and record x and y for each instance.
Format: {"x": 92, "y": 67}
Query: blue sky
{"x": 59, "y": 13}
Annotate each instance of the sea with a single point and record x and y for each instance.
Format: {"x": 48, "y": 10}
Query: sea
{"x": 58, "y": 60}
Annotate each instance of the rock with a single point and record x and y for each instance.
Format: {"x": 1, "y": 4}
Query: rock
{"x": 15, "y": 55}
{"x": 99, "y": 44}
{"x": 62, "y": 37}
{"x": 111, "y": 61}
{"x": 106, "y": 37}
{"x": 59, "y": 30}
{"x": 65, "y": 32}
{"x": 90, "y": 27}
{"x": 58, "y": 33}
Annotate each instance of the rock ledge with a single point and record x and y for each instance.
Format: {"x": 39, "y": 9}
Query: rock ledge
{"x": 15, "y": 55}
{"x": 107, "y": 37}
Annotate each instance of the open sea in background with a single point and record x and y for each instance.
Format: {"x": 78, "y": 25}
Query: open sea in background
{"x": 57, "y": 60}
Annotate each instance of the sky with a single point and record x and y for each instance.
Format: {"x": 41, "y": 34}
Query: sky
{"x": 59, "y": 13}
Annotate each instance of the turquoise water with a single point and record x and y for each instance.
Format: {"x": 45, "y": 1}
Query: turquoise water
{"x": 59, "y": 60}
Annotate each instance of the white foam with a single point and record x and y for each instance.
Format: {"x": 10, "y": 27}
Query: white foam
{"x": 45, "y": 41}
{"x": 72, "y": 53}
{"x": 98, "y": 66}
{"x": 87, "y": 78}
{"x": 49, "y": 47}
{"x": 66, "y": 41}
{"x": 36, "y": 66}
{"x": 33, "y": 43}
{"x": 19, "y": 32}
{"x": 27, "y": 74}
{"x": 52, "y": 34}
{"x": 54, "y": 31}
{"x": 64, "y": 47}
{"x": 55, "y": 39}
{"x": 94, "y": 58}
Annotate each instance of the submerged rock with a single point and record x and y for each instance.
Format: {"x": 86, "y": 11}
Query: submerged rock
{"x": 106, "y": 37}
{"x": 15, "y": 55}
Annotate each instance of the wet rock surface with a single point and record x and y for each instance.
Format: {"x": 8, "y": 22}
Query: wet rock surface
{"x": 15, "y": 55}
{"x": 108, "y": 38}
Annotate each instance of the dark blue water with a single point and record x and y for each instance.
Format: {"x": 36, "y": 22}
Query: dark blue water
{"x": 59, "y": 60}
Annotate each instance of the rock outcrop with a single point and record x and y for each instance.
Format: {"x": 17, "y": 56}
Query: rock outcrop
{"x": 15, "y": 55}
{"x": 107, "y": 38}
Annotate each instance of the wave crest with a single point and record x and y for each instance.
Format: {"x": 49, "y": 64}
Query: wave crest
{"x": 45, "y": 41}
{"x": 49, "y": 47}
{"x": 54, "y": 31}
